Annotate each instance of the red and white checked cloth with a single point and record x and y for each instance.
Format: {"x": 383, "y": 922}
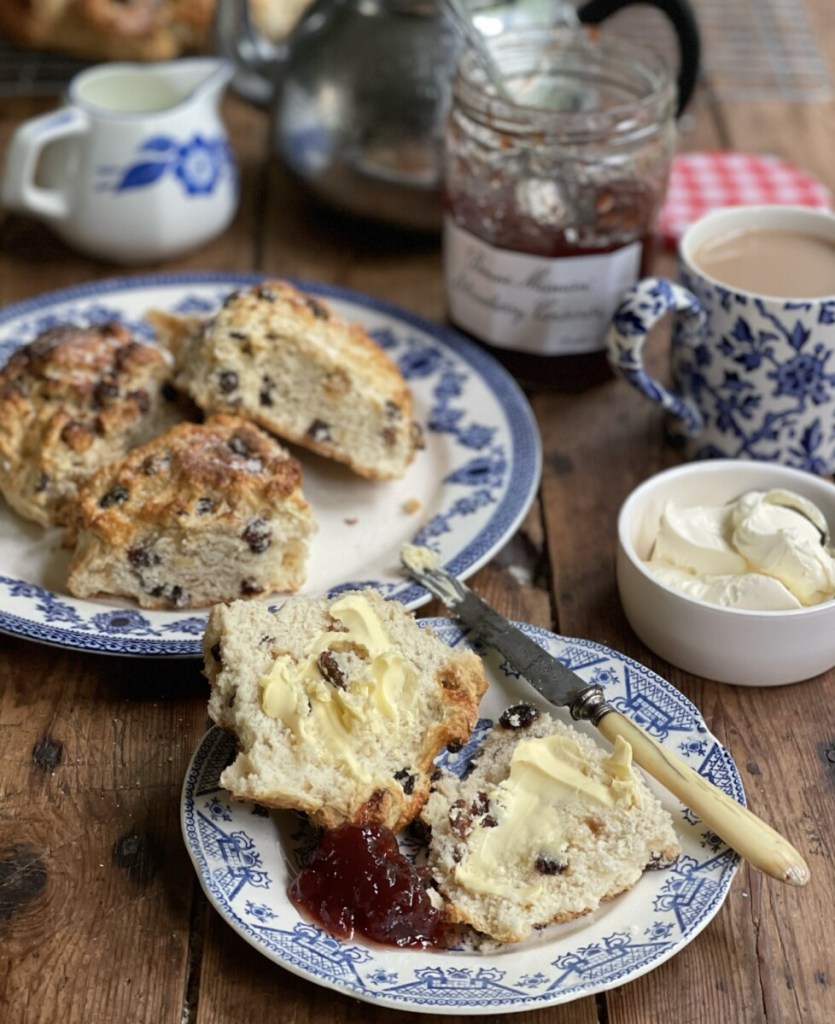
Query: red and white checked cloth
{"x": 700, "y": 182}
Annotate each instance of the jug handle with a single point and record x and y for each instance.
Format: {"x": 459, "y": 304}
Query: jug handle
{"x": 20, "y": 193}
{"x": 686, "y": 28}
{"x": 237, "y": 39}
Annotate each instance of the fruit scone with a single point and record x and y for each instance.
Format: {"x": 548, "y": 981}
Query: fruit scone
{"x": 203, "y": 513}
{"x": 545, "y": 826}
{"x": 285, "y": 360}
{"x": 71, "y": 401}
{"x": 339, "y": 706}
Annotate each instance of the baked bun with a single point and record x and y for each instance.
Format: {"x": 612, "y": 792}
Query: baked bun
{"x": 132, "y": 29}
{"x": 286, "y": 361}
{"x": 545, "y": 826}
{"x": 71, "y": 401}
{"x": 339, "y": 706}
{"x": 203, "y": 513}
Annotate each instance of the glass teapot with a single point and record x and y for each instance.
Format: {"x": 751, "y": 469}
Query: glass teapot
{"x": 360, "y": 91}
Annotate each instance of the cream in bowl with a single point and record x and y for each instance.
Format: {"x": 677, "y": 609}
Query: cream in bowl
{"x": 725, "y": 569}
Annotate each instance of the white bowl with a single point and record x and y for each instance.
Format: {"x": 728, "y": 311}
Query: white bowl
{"x": 730, "y": 645}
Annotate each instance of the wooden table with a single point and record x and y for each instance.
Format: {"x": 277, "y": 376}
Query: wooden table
{"x": 102, "y": 920}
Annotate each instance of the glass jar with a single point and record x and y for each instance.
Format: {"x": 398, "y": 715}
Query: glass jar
{"x": 550, "y": 200}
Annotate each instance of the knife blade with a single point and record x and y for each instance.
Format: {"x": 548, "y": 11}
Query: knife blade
{"x": 751, "y": 837}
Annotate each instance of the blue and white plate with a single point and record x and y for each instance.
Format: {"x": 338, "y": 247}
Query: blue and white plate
{"x": 463, "y": 496}
{"x": 245, "y": 858}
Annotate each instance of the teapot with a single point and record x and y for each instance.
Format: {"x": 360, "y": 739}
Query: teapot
{"x": 135, "y": 166}
{"x": 360, "y": 91}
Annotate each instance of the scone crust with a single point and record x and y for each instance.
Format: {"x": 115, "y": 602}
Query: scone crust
{"x": 276, "y": 769}
{"x": 203, "y": 513}
{"x": 288, "y": 362}
{"x": 71, "y": 401}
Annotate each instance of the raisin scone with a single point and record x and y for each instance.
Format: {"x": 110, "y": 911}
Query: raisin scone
{"x": 545, "y": 826}
{"x": 203, "y": 513}
{"x": 288, "y": 362}
{"x": 339, "y": 706}
{"x": 72, "y": 401}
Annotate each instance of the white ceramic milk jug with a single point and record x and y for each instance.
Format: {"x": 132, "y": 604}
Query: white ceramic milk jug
{"x": 135, "y": 166}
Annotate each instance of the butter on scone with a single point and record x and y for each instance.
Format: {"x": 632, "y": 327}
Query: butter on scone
{"x": 72, "y": 401}
{"x": 285, "y": 360}
{"x": 203, "y": 513}
{"x": 339, "y": 706}
{"x": 546, "y": 826}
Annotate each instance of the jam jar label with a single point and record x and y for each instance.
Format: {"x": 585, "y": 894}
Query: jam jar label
{"x": 547, "y": 305}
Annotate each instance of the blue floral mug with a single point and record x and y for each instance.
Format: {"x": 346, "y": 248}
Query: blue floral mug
{"x": 135, "y": 166}
{"x": 752, "y": 374}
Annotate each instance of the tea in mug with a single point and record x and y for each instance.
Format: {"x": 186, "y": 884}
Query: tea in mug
{"x": 770, "y": 261}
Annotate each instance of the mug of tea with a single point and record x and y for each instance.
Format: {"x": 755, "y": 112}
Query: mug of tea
{"x": 135, "y": 166}
{"x": 753, "y": 337}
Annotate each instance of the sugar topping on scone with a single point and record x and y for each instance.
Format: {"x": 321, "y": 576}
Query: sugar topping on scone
{"x": 71, "y": 401}
{"x": 203, "y": 513}
{"x": 287, "y": 361}
{"x": 546, "y": 826}
{"x": 339, "y": 706}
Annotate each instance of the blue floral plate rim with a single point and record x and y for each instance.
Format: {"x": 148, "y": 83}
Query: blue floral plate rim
{"x": 242, "y": 855}
{"x": 472, "y": 485}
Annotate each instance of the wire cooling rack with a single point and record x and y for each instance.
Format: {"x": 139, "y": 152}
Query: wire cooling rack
{"x": 751, "y": 50}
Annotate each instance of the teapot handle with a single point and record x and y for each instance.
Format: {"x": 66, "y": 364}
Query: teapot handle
{"x": 683, "y": 21}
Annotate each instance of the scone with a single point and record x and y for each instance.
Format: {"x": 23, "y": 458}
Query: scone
{"x": 71, "y": 401}
{"x": 339, "y": 706}
{"x": 204, "y": 513}
{"x": 546, "y": 826}
{"x": 288, "y": 362}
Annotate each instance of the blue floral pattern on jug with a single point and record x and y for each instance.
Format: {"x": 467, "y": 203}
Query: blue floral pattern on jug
{"x": 759, "y": 384}
{"x": 199, "y": 165}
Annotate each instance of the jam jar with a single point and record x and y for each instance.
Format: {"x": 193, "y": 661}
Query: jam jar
{"x": 551, "y": 191}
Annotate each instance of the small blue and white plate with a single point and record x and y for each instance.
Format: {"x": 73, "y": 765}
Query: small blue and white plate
{"x": 245, "y": 858}
{"x": 463, "y": 496}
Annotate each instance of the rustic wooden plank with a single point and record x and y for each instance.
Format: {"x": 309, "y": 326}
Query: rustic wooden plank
{"x": 95, "y": 882}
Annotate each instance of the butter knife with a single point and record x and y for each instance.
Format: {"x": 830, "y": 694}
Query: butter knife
{"x": 742, "y": 830}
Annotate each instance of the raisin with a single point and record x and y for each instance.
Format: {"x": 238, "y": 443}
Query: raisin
{"x": 142, "y": 400}
{"x": 460, "y": 821}
{"x": 546, "y": 865}
{"x": 215, "y": 651}
{"x": 331, "y": 671}
{"x": 393, "y": 410}
{"x": 319, "y": 431}
{"x": 169, "y": 392}
{"x": 105, "y": 393}
{"x": 320, "y": 311}
{"x": 265, "y": 395}
{"x": 142, "y": 557}
{"x": 238, "y": 335}
{"x": 520, "y": 716}
{"x": 390, "y": 436}
{"x": 481, "y": 804}
{"x": 117, "y": 495}
{"x": 489, "y": 821}
{"x": 238, "y": 445}
{"x": 76, "y": 436}
{"x": 257, "y": 536}
{"x": 204, "y": 506}
{"x": 43, "y": 483}
{"x": 177, "y": 595}
{"x": 249, "y": 588}
{"x": 227, "y": 381}
{"x": 407, "y": 780}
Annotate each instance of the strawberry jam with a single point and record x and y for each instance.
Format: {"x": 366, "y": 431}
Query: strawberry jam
{"x": 359, "y": 881}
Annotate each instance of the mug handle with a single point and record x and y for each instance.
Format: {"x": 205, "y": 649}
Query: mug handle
{"x": 20, "y": 192}
{"x": 684, "y": 23}
{"x": 642, "y": 306}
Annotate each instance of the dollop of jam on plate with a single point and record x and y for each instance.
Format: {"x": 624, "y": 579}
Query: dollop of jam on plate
{"x": 358, "y": 881}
